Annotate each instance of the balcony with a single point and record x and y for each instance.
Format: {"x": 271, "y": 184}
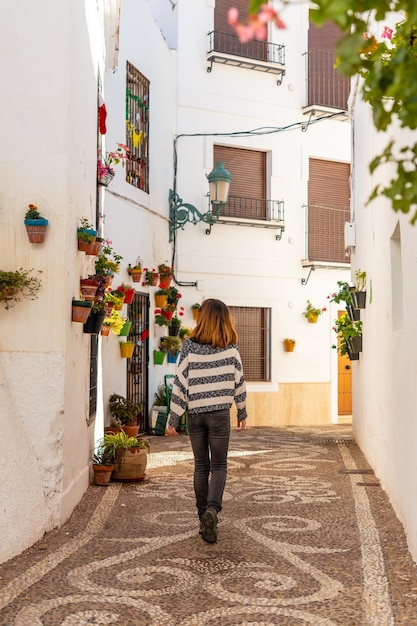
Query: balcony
{"x": 254, "y": 212}
{"x": 327, "y": 89}
{"x": 262, "y": 56}
{"x": 325, "y": 235}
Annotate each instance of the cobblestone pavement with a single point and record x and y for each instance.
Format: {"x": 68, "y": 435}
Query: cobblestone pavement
{"x": 306, "y": 536}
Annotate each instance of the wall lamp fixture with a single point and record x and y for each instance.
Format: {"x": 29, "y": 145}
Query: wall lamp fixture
{"x": 181, "y": 212}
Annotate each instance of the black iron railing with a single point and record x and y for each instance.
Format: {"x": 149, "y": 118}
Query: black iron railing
{"x": 260, "y": 50}
{"x": 325, "y": 85}
{"x": 253, "y": 209}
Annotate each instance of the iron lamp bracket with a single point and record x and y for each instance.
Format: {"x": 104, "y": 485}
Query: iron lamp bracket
{"x": 180, "y": 213}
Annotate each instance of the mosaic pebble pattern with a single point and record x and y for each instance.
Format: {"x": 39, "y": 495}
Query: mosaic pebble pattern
{"x": 302, "y": 541}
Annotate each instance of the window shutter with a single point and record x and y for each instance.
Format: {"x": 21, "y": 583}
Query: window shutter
{"x": 248, "y": 187}
{"x": 253, "y": 326}
{"x": 225, "y": 38}
{"x": 328, "y": 210}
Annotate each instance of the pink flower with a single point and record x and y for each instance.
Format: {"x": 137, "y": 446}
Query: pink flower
{"x": 387, "y": 32}
{"x": 232, "y": 16}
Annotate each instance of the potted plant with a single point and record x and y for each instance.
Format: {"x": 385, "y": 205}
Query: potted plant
{"x": 359, "y": 290}
{"x": 127, "y": 324}
{"x": 172, "y": 346}
{"x": 195, "y": 309}
{"x": 161, "y": 323}
{"x": 95, "y": 320}
{"x": 88, "y": 288}
{"x": 161, "y": 297}
{"x": 18, "y": 284}
{"x": 312, "y": 313}
{"x": 289, "y": 344}
{"x": 350, "y": 336}
{"x": 151, "y": 278}
{"x": 131, "y": 456}
{"x": 159, "y": 413}
{"x": 106, "y": 163}
{"x": 86, "y": 235}
{"x": 175, "y": 324}
{"x": 125, "y": 413}
{"x": 184, "y": 332}
{"x": 173, "y": 296}
{"x": 113, "y": 323}
{"x": 168, "y": 311}
{"x": 158, "y": 357}
{"x": 108, "y": 261}
{"x": 345, "y": 295}
{"x": 136, "y": 271}
{"x": 166, "y": 272}
{"x": 128, "y": 291}
{"x": 81, "y": 309}
{"x": 35, "y": 224}
{"x": 127, "y": 349}
{"x": 118, "y": 299}
{"x": 103, "y": 460}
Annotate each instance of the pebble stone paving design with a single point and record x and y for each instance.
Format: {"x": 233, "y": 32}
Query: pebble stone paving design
{"x": 306, "y": 537}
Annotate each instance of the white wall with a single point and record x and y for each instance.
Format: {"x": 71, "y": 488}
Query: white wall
{"x": 385, "y": 399}
{"x": 48, "y": 113}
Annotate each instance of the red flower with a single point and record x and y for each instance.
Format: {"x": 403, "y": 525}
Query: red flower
{"x": 157, "y": 311}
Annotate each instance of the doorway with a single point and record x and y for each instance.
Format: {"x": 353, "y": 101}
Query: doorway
{"x": 138, "y": 366}
{"x": 344, "y": 383}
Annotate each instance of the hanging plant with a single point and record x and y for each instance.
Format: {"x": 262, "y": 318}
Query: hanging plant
{"x": 18, "y": 284}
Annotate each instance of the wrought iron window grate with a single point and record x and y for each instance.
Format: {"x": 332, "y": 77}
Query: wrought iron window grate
{"x": 137, "y": 128}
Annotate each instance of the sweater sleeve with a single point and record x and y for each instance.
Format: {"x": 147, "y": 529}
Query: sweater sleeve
{"x": 179, "y": 395}
{"x": 240, "y": 390}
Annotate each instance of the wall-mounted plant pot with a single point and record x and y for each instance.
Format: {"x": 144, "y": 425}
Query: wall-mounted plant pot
{"x": 312, "y": 318}
{"x": 127, "y": 349}
{"x": 36, "y": 230}
{"x": 161, "y": 301}
{"x": 195, "y": 313}
{"x": 136, "y": 275}
{"x": 85, "y": 243}
{"x": 125, "y": 329}
{"x": 81, "y": 310}
{"x": 94, "y": 248}
{"x": 353, "y": 356}
{"x": 158, "y": 357}
{"x": 172, "y": 358}
{"x": 160, "y": 331}
{"x": 359, "y": 299}
{"x": 105, "y": 180}
{"x": 354, "y": 314}
{"x": 94, "y": 323}
{"x": 119, "y": 305}
{"x": 174, "y": 329}
{"x": 289, "y": 345}
{"x": 129, "y": 295}
{"x": 355, "y": 344}
{"x": 165, "y": 281}
{"x": 105, "y": 331}
{"x": 88, "y": 288}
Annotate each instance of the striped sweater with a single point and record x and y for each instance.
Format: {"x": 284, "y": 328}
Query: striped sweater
{"x": 207, "y": 379}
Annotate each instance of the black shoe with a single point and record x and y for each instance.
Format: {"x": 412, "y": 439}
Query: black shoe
{"x": 208, "y": 528}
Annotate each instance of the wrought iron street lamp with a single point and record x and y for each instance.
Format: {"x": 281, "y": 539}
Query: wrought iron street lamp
{"x": 182, "y": 212}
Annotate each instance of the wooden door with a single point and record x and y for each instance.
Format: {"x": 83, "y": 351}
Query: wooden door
{"x": 344, "y": 395}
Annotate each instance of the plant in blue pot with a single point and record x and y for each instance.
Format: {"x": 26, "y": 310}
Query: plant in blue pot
{"x": 35, "y": 224}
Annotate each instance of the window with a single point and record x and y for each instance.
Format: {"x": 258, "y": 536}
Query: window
{"x": 326, "y": 86}
{"x": 328, "y": 210}
{"x": 253, "y": 325}
{"x": 225, "y": 38}
{"x": 137, "y": 128}
{"x": 247, "y": 192}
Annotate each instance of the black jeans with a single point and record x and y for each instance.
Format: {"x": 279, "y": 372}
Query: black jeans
{"x": 209, "y": 435}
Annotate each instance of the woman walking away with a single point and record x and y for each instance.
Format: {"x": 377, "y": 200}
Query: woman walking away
{"x": 208, "y": 379}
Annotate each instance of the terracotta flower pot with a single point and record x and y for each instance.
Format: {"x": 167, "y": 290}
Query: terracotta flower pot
{"x": 105, "y": 331}
{"x": 136, "y": 275}
{"x": 88, "y": 288}
{"x": 81, "y": 309}
{"x": 102, "y": 474}
{"x": 36, "y": 230}
{"x": 165, "y": 280}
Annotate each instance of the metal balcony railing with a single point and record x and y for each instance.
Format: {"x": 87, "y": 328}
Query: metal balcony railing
{"x": 258, "y": 55}
{"x": 325, "y": 85}
{"x": 253, "y": 209}
{"x": 325, "y": 233}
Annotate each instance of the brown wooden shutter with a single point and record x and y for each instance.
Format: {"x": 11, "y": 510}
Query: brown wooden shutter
{"x": 248, "y": 187}
{"x": 225, "y": 38}
{"x": 328, "y": 210}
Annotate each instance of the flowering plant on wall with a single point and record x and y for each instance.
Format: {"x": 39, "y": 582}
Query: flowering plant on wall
{"x": 105, "y": 162}
{"x": 312, "y": 313}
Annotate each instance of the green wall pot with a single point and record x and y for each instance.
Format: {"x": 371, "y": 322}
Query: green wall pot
{"x": 125, "y": 329}
{"x": 158, "y": 357}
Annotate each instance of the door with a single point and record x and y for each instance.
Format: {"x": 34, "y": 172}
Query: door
{"x": 344, "y": 395}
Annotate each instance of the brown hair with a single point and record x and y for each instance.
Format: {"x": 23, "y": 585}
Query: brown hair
{"x": 215, "y": 325}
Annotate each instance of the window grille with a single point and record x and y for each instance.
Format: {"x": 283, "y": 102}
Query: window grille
{"x": 137, "y": 128}
{"x": 93, "y": 376}
{"x": 253, "y": 325}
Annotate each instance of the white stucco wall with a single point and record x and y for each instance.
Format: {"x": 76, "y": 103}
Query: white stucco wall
{"x": 385, "y": 398}
{"x": 50, "y": 56}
